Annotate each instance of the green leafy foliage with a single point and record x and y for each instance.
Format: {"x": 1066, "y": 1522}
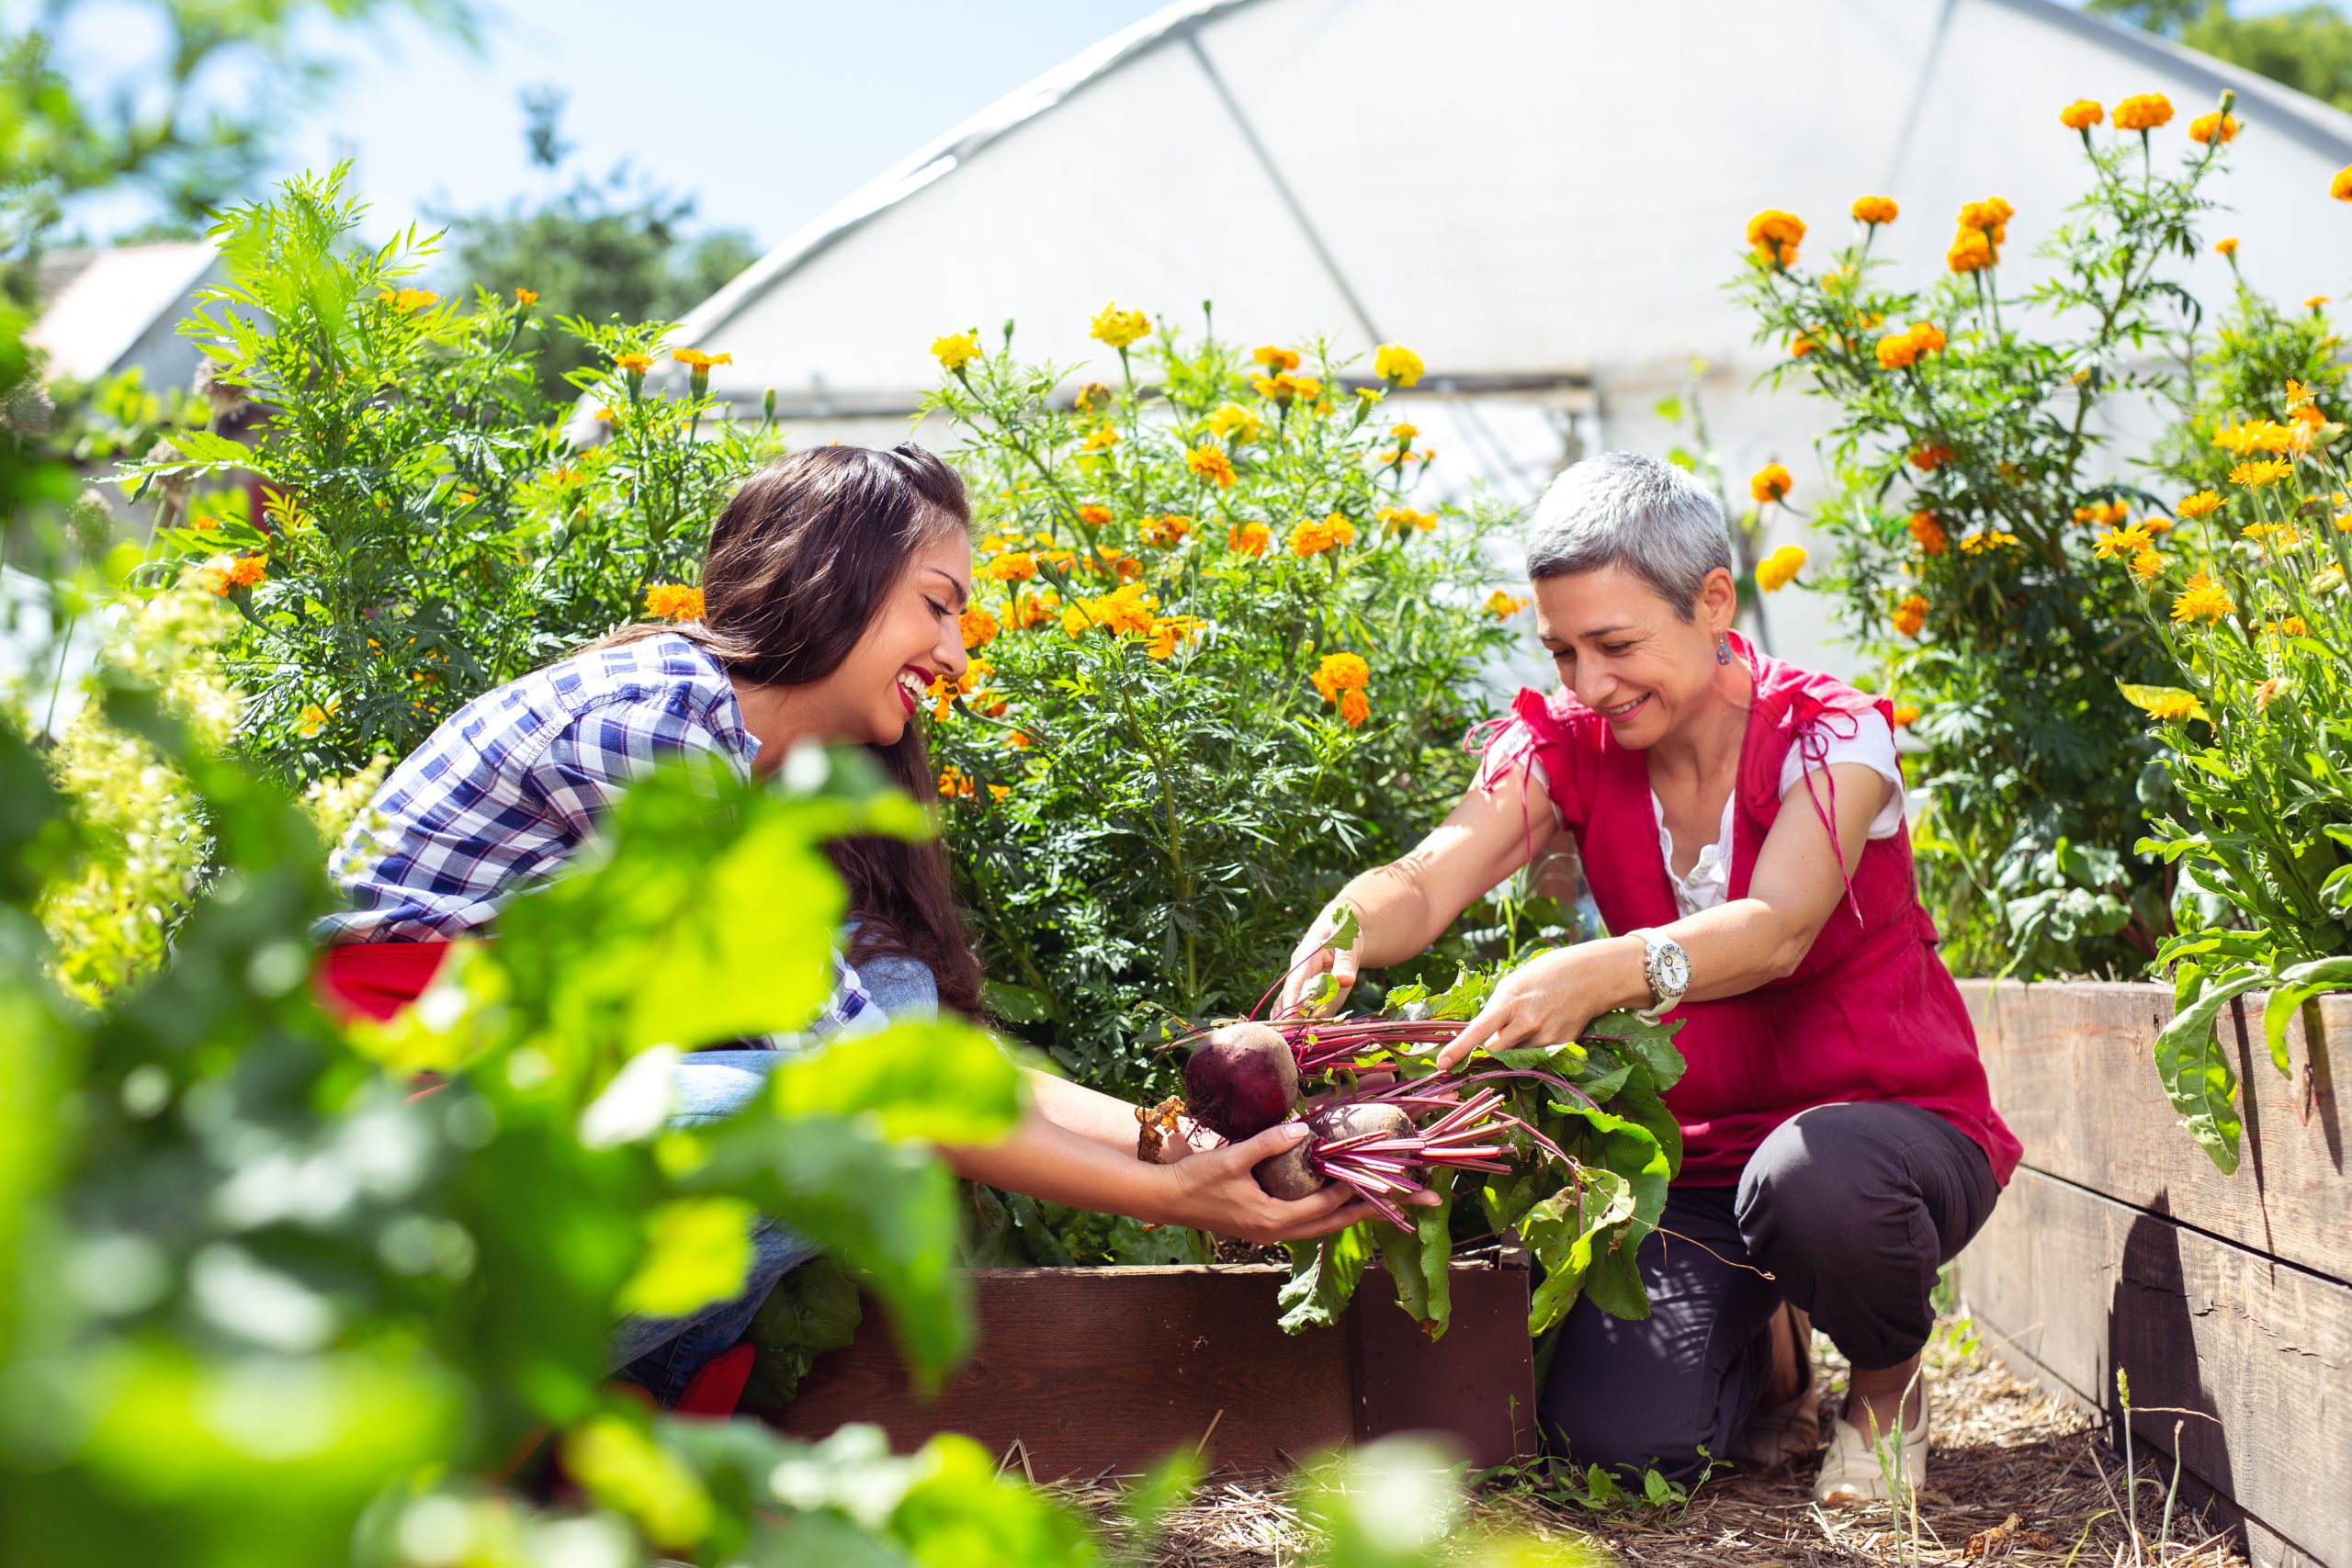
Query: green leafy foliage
{"x": 432, "y": 531}
{"x": 1969, "y": 483}
{"x": 1189, "y": 692}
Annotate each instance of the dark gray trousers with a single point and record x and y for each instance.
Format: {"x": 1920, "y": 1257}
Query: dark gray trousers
{"x": 1851, "y": 1208}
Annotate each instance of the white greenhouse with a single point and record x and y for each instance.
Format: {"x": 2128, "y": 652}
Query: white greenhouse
{"x": 1544, "y": 197}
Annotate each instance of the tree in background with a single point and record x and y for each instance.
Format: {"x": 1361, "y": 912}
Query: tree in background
{"x": 617, "y": 247}
{"x": 2308, "y": 48}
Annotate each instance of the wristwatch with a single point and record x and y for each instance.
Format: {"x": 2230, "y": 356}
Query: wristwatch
{"x": 1668, "y": 969}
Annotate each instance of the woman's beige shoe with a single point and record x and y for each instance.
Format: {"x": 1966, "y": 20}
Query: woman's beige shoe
{"x": 1855, "y": 1471}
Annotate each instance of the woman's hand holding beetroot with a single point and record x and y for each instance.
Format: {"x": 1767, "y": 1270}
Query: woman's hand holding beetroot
{"x": 1218, "y": 1192}
{"x": 1553, "y": 997}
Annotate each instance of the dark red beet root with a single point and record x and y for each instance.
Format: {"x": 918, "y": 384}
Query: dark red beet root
{"x": 1292, "y": 1176}
{"x": 1241, "y": 1080}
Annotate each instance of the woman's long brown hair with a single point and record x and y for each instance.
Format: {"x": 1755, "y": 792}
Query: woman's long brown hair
{"x": 799, "y": 564}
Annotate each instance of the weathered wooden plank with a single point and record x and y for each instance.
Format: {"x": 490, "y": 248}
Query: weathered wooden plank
{"x": 2081, "y": 1285}
{"x": 2072, "y": 1071}
{"x": 1112, "y": 1369}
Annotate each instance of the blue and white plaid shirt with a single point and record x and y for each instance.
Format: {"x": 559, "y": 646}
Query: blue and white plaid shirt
{"x": 513, "y": 783}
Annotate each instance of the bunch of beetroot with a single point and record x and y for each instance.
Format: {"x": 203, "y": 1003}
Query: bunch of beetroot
{"x": 1244, "y": 1078}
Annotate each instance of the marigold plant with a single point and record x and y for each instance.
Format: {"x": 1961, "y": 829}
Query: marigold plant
{"x": 1234, "y": 661}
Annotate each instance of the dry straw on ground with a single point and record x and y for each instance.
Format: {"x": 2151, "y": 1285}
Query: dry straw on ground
{"x": 2017, "y": 1479}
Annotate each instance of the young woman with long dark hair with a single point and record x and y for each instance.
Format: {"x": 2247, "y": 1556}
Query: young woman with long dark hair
{"x": 832, "y": 594}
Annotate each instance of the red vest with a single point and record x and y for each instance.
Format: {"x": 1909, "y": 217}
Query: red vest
{"x": 1870, "y": 1014}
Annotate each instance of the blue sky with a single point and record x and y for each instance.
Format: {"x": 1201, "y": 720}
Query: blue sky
{"x": 768, "y": 112}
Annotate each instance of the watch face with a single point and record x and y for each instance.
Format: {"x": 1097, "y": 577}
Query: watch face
{"x": 1673, "y": 970}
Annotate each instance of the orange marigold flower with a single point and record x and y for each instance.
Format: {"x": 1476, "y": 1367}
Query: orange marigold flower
{"x": 956, "y": 784}
{"x": 1168, "y": 631}
{"x": 1093, "y": 515}
{"x": 248, "y": 572}
{"x": 1927, "y": 533}
{"x": 2198, "y": 505}
{"x": 1503, "y": 606}
{"x": 214, "y": 580}
{"x": 2227, "y": 246}
{"x": 1274, "y": 358}
{"x": 1405, "y": 520}
{"x": 1769, "y": 484}
{"x": 526, "y": 296}
{"x": 1310, "y": 537}
{"x": 408, "y": 299}
{"x": 1800, "y": 345}
{"x": 979, "y": 626}
{"x": 696, "y": 359}
{"x": 1211, "y": 464}
{"x": 674, "y": 602}
{"x": 314, "y": 719}
{"x": 1037, "y": 609}
{"x": 2143, "y": 112}
{"x": 205, "y": 524}
{"x": 1774, "y": 235}
{"x": 1928, "y": 459}
{"x": 1020, "y": 740}
{"x": 635, "y": 363}
{"x": 1911, "y": 614}
{"x": 2206, "y": 127}
{"x": 1341, "y": 672}
{"x": 1354, "y": 708}
{"x": 1874, "y": 210}
{"x": 2254, "y": 474}
{"x": 2201, "y": 598}
{"x": 1906, "y": 715}
{"x": 1970, "y": 252}
{"x": 2297, "y": 396}
{"x": 1249, "y": 538}
{"x": 2340, "y": 188}
{"x": 1015, "y": 566}
{"x": 2082, "y": 114}
{"x": 1168, "y": 529}
{"x": 2146, "y": 564}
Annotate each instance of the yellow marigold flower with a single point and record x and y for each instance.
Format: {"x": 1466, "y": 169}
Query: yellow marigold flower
{"x": 314, "y": 718}
{"x": 2297, "y": 396}
{"x": 2206, "y": 127}
{"x": 2198, "y": 505}
{"x": 205, "y": 524}
{"x": 635, "y": 363}
{"x": 1372, "y": 394}
{"x": 1780, "y": 568}
{"x": 1234, "y": 423}
{"x": 2280, "y": 535}
{"x": 1503, "y": 606}
{"x": 2227, "y": 246}
{"x": 1168, "y": 529}
{"x": 1769, "y": 484}
{"x": 674, "y": 602}
{"x": 1124, "y": 610}
{"x": 1211, "y": 464}
{"x": 2249, "y": 436}
{"x": 1774, "y": 235}
{"x": 1276, "y": 359}
{"x": 2146, "y": 564}
{"x": 2340, "y": 188}
{"x": 1394, "y": 362}
{"x": 1874, "y": 210}
{"x": 1354, "y": 708}
{"x": 526, "y": 296}
{"x": 2293, "y": 626}
{"x": 1985, "y": 541}
{"x": 1970, "y": 252}
{"x": 955, "y": 350}
{"x": 1118, "y": 328}
{"x": 1341, "y": 672}
{"x": 2166, "y": 704}
{"x": 1800, "y": 345}
{"x": 2201, "y": 598}
{"x": 1013, "y": 565}
{"x": 979, "y": 627}
{"x": 1093, "y": 515}
{"x": 408, "y": 299}
{"x": 1404, "y": 433}
{"x": 2143, "y": 112}
{"x": 2117, "y": 542}
{"x": 2082, "y": 114}
{"x": 1086, "y": 396}
{"x": 1906, "y": 715}
{"x": 1911, "y": 614}
{"x": 1102, "y": 438}
{"x": 998, "y": 792}
{"x": 2270, "y": 691}
{"x": 696, "y": 359}
{"x": 1405, "y": 520}
{"x": 1927, "y": 533}
{"x": 1248, "y": 539}
{"x": 2344, "y": 521}
{"x": 608, "y": 414}
{"x": 1035, "y": 609}
{"x": 2254, "y": 475}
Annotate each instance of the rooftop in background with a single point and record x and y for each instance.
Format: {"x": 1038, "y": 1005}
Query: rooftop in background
{"x": 111, "y": 309}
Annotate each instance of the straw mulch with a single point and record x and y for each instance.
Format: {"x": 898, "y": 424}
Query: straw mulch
{"x": 2016, "y": 1479}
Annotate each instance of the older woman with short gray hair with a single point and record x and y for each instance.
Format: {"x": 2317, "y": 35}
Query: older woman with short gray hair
{"x": 1739, "y": 821}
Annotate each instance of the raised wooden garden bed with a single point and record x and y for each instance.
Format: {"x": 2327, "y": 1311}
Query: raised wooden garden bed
{"x": 2225, "y": 1300}
{"x": 1090, "y": 1370}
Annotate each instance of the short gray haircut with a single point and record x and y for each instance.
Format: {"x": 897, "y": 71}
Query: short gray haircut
{"x": 1624, "y": 509}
